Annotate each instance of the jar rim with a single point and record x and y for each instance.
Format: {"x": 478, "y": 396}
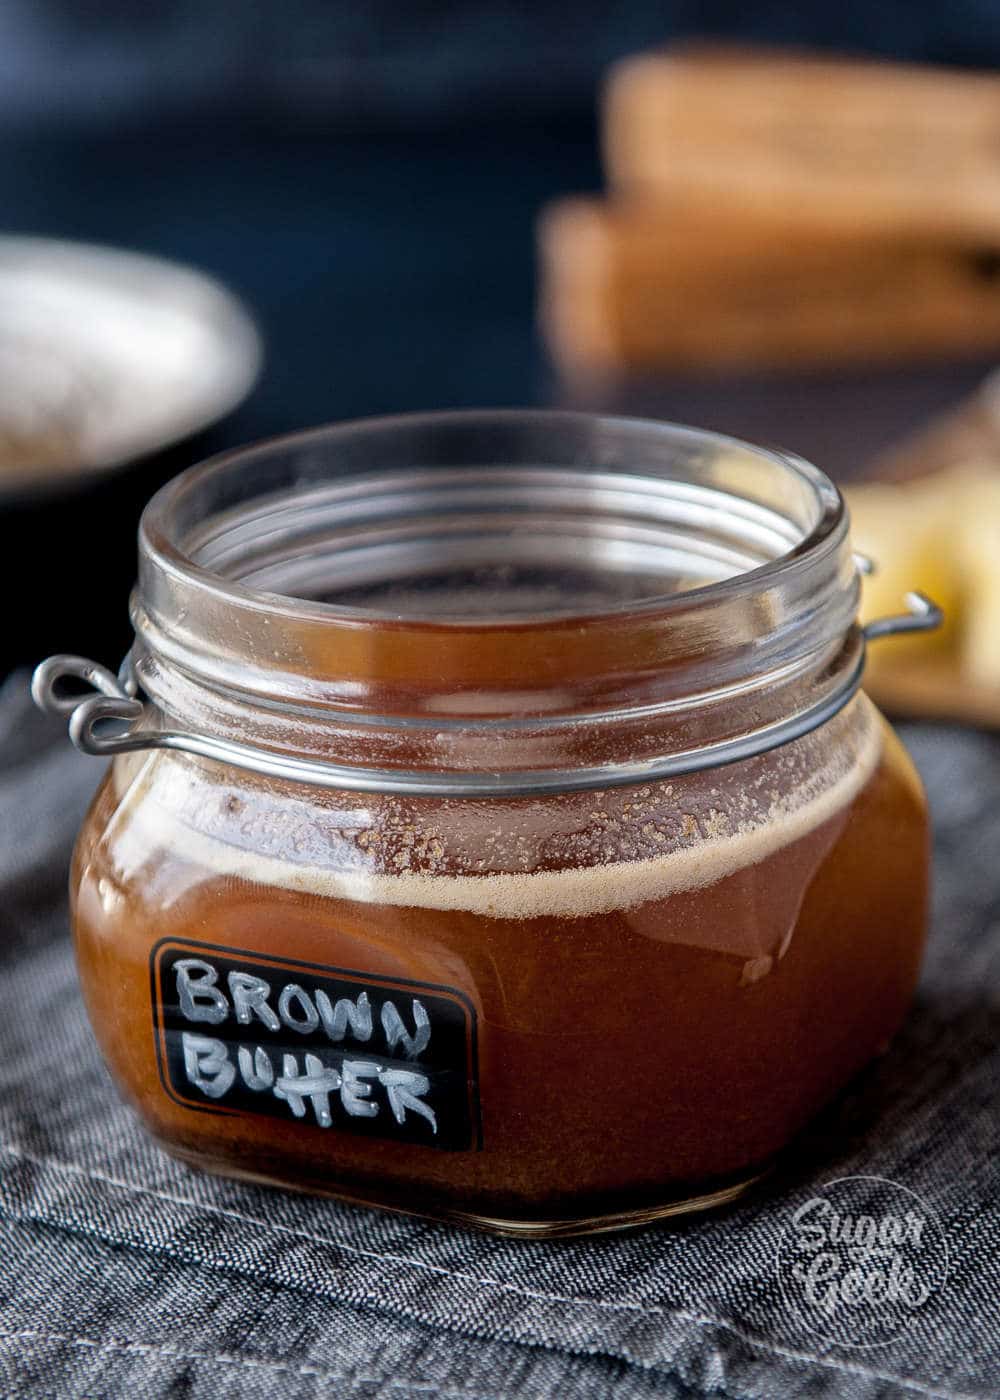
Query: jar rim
{"x": 601, "y": 504}
{"x": 159, "y": 542}
{"x": 351, "y": 698}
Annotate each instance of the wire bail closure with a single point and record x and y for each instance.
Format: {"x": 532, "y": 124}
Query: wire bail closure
{"x": 116, "y": 699}
{"x": 922, "y": 615}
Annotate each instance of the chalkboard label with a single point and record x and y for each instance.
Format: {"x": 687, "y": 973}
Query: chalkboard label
{"x": 339, "y": 1051}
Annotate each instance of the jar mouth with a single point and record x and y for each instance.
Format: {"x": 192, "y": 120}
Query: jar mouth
{"x": 338, "y": 524}
{"x": 492, "y": 567}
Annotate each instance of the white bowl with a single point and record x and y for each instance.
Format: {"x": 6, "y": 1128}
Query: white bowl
{"x": 107, "y": 356}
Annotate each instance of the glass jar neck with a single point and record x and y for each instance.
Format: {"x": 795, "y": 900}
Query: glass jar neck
{"x": 495, "y": 591}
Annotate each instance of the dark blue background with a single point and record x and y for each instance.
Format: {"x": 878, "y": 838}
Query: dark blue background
{"x": 397, "y": 62}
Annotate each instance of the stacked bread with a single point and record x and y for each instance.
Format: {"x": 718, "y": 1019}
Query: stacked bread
{"x": 769, "y": 208}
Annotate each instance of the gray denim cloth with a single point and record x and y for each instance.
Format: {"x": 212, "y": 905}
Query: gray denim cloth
{"x": 124, "y": 1273}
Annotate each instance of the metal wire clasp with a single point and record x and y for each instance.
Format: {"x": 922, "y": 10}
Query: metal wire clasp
{"x": 115, "y": 700}
{"x": 923, "y": 615}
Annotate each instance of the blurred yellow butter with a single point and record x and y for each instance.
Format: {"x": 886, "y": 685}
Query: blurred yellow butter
{"x": 909, "y": 532}
{"x": 977, "y": 546}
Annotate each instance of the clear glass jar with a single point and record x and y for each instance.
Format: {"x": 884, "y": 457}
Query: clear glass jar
{"x": 499, "y": 832}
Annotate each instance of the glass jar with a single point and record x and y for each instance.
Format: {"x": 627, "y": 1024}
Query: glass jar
{"x": 495, "y": 828}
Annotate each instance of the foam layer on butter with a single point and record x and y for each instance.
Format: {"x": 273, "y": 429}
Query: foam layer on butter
{"x": 146, "y": 823}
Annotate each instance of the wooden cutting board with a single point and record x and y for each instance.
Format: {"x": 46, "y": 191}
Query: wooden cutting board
{"x": 931, "y": 689}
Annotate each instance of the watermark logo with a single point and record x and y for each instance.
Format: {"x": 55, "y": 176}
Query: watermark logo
{"x": 860, "y": 1258}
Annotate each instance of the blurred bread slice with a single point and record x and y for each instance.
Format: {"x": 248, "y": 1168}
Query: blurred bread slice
{"x": 627, "y": 286}
{"x": 863, "y": 144}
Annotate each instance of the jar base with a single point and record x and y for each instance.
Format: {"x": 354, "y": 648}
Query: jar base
{"x": 526, "y": 1228}
{"x": 613, "y": 1221}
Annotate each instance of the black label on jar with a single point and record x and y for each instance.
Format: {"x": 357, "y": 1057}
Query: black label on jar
{"x": 340, "y": 1051}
